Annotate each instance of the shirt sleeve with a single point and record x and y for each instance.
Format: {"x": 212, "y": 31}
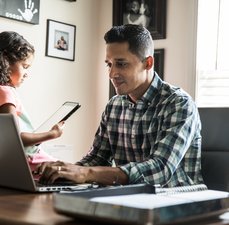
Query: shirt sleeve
{"x": 6, "y": 96}
{"x": 178, "y": 126}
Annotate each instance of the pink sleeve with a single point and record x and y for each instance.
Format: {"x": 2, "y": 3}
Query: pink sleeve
{"x": 8, "y": 96}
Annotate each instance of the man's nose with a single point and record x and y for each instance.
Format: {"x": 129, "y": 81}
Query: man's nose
{"x": 113, "y": 72}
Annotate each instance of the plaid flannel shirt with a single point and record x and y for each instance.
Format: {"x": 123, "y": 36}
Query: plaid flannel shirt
{"x": 157, "y": 140}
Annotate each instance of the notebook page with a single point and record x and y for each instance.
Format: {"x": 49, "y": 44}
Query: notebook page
{"x": 143, "y": 201}
{"x": 151, "y": 201}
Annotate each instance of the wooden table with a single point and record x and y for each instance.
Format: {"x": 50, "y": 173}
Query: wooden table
{"x": 18, "y": 207}
{"x": 28, "y": 208}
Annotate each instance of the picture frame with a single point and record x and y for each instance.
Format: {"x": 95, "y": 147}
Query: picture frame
{"x": 153, "y": 15}
{"x": 158, "y": 68}
{"x": 60, "y": 40}
{"x": 21, "y": 10}
{"x": 159, "y": 62}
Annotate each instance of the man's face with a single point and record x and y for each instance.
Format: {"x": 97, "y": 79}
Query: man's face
{"x": 126, "y": 71}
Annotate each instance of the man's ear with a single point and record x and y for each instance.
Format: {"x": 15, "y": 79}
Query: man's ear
{"x": 149, "y": 62}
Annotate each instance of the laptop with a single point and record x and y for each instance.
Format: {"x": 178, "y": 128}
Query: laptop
{"x": 14, "y": 168}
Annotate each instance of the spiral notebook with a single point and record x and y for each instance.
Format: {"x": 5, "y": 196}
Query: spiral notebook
{"x": 177, "y": 190}
{"x": 143, "y": 204}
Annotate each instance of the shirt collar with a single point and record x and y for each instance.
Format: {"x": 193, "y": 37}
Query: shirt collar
{"x": 151, "y": 92}
{"x": 153, "y": 89}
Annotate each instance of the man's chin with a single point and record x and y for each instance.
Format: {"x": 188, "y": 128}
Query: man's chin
{"x": 119, "y": 91}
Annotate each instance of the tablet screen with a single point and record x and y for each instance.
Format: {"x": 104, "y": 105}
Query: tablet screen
{"x": 62, "y": 114}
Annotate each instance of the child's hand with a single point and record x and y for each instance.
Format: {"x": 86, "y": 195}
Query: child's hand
{"x": 57, "y": 129}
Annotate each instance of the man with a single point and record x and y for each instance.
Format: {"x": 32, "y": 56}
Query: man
{"x": 150, "y": 130}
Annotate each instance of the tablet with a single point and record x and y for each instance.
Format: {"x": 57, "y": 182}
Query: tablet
{"x": 62, "y": 114}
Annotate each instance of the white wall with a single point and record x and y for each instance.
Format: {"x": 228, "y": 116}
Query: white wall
{"x": 85, "y": 80}
{"x": 180, "y": 44}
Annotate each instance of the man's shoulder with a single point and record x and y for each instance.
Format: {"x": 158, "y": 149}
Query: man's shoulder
{"x": 175, "y": 91}
{"x": 174, "y": 97}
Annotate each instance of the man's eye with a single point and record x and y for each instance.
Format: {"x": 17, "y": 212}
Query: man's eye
{"x": 121, "y": 64}
{"x": 109, "y": 65}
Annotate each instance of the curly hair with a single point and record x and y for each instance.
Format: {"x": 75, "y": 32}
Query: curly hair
{"x": 13, "y": 48}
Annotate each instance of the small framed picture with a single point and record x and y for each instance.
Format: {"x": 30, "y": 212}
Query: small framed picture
{"x": 60, "y": 40}
{"x": 149, "y": 13}
{"x": 159, "y": 62}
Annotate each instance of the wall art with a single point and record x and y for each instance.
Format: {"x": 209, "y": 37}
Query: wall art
{"x": 60, "y": 40}
{"x": 21, "y": 10}
{"x": 149, "y": 13}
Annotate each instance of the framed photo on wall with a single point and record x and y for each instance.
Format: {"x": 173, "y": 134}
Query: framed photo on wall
{"x": 60, "y": 40}
{"x": 159, "y": 62}
{"x": 21, "y": 10}
{"x": 149, "y": 13}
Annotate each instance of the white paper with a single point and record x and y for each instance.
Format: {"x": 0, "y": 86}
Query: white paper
{"x": 144, "y": 201}
{"x": 151, "y": 201}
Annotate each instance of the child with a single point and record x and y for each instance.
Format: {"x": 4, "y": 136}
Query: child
{"x": 16, "y": 56}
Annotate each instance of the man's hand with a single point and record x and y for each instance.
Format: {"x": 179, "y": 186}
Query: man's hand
{"x": 51, "y": 171}
{"x": 29, "y": 12}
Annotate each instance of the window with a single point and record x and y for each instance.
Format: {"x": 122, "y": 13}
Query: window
{"x": 212, "y": 60}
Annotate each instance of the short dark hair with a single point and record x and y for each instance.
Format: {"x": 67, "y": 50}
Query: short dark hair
{"x": 138, "y": 37}
{"x": 13, "y": 48}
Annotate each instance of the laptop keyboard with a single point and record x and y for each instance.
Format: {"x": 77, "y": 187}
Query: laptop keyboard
{"x": 58, "y": 182}
{"x": 65, "y": 185}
